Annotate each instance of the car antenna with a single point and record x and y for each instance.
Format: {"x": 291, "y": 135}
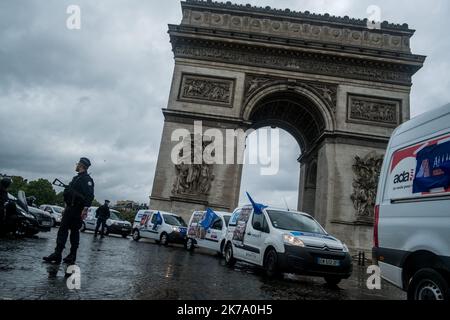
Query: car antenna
{"x": 285, "y": 202}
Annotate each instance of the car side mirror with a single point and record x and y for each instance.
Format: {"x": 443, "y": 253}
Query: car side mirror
{"x": 257, "y": 226}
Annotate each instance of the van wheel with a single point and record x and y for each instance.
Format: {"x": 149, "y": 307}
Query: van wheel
{"x": 332, "y": 281}
{"x": 163, "y": 240}
{"x": 229, "y": 259}
{"x": 136, "y": 235}
{"x": 190, "y": 246}
{"x": 271, "y": 264}
{"x": 54, "y": 223}
{"x": 83, "y": 227}
{"x": 428, "y": 284}
{"x": 124, "y": 235}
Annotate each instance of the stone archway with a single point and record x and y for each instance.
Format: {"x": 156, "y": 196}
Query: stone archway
{"x": 300, "y": 110}
{"x": 338, "y": 87}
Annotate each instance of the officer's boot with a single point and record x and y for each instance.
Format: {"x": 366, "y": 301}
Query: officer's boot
{"x": 71, "y": 258}
{"x": 55, "y": 258}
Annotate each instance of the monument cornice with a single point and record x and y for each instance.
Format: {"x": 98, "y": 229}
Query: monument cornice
{"x": 294, "y": 59}
{"x": 295, "y": 44}
{"x": 288, "y": 14}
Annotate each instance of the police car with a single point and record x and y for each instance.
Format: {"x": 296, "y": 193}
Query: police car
{"x": 211, "y": 237}
{"x": 163, "y": 227}
{"x": 285, "y": 241}
{"x": 114, "y": 225}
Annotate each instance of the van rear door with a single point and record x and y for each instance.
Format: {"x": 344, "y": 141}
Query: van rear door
{"x": 411, "y": 219}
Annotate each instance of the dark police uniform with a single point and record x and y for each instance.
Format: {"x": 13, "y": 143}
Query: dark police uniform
{"x": 102, "y": 214}
{"x": 78, "y": 195}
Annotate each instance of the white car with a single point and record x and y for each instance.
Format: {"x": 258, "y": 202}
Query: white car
{"x": 163, "y": 227}
{"x": 55, "y": 211}
{"x": 114, "y": 225}
{"x": 212, "y": 238}
{"x": 412, "y": 212}
{"x": 286, "y": 241}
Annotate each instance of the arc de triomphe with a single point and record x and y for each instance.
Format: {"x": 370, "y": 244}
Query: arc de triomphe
{"x": 339, "y": 87}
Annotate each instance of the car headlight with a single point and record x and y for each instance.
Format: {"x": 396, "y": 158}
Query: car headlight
{"x": 176, "y": 229}
{"x": 29, "y": 216}
{"x": 293, "y": 241}
{"x": 345, "y": 248}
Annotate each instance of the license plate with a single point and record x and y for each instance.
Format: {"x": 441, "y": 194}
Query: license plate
{"x": 328, "y": 262}
{"x": 124, "y": 229}
{"x": 46, "y": 223}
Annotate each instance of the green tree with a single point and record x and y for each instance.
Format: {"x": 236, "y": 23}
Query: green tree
{"x": 43, "y": 190}
{"x": 60, "y": 199}
{"x": 95, "y": 203}
{"x": 18, "y": 183}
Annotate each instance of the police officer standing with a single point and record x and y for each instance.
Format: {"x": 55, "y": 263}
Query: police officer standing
{"x": 102, "y": 214}
{"x": 78, "y": 196}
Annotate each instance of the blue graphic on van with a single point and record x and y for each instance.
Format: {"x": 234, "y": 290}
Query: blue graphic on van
{"x": 309, "y": 234}
{"x": 433, "y": 168}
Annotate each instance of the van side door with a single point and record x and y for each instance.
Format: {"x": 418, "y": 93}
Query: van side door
{"x": 213, "y": 235}
{"x": 239, "y": 233}
{"x": 256, "y": 234}
{"x": 152, "y": 228}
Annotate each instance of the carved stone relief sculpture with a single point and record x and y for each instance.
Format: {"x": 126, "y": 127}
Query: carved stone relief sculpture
{"x": 207, "y": 89}
{"x": 367, "y": 172}
{"x": 374, "y": 110}
{"x": 193, "y": 177}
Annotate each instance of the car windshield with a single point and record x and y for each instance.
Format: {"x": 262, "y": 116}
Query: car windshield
{"x": 174, "y": 221}
{"x": 58, "y": 209}
{"x": 227, "y": 219}
{"x": 114, "y": 215}
{"x": 292, "y": 221}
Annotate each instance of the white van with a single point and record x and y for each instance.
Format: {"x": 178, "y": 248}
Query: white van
{"x": 212, "y": 238}
{"x": 170, "y": 228}
{"x": 412, "y": 212}
{"x": 286, "y": 241}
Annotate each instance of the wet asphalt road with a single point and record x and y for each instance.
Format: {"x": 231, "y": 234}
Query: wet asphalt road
{"x": 116, "y": 268}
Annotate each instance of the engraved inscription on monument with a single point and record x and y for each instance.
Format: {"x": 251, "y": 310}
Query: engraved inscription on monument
{"x": 218, "y": 91}
{"x": 370, "y": 110}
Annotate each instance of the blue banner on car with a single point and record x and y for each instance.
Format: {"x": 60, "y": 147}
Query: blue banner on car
{"x": 433, "y": 168}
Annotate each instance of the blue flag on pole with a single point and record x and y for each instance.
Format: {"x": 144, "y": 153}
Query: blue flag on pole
{"x": 256, "y": 206}
{"x": 208, "y": 220}
{"x": 433, "y": 168}
{"x": 158, "y": 221}
{"x": 158, "y": 218}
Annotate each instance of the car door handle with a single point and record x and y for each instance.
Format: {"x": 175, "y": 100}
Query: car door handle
{"x": 249, "y": 234}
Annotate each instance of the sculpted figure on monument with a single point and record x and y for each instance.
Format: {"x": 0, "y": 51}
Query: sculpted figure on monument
{"x": 367, "y": 173}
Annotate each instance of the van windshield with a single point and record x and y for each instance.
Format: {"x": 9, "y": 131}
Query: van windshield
{"x": 174, "y": 221}
{"x": 292, "y": 221}
{"x": 114, "y": 215}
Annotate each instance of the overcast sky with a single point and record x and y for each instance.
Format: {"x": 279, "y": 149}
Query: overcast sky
{"x": 98, "y": 91}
